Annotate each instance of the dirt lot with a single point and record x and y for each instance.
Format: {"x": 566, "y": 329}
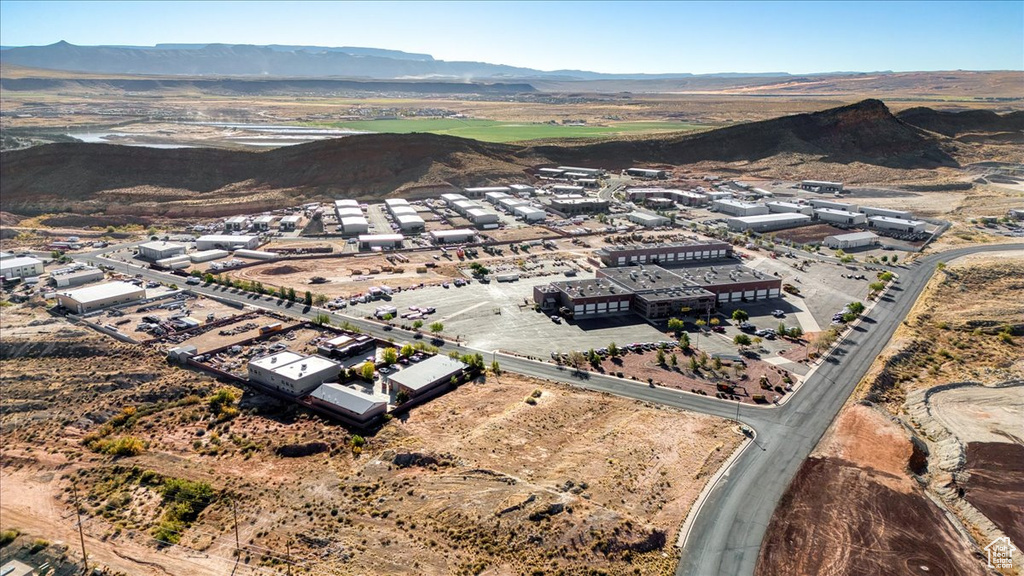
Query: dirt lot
{"x": 808, "y": 234}
{"x": 247, "y": 326}
{"x": 853, "y": 509}
{"x": 996, "y": 485}
{"x": 477, "y": 479}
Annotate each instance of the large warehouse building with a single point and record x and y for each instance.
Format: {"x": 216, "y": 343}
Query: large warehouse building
{"x": 380, "y": 241}
{"x": 452, "y": 236}
{"x": 353, "y": 225}
{"x": 648, "y": 220}
{"x": 428, "y": 375}
{"x": 157, "y": 250}
{"x": 737, "y": 208}
{"x": 821, "y": 186}
{"x": 840, "y": 216}
{"x": 12, "y": 267}
{"x": 627, "y": 254}
{"x": 789, "y": 208}
{"x": 651, "y": 173}
{"x": 226, "y": 242}
{"x": 574, "y": 206}
{"x": 872, "y": 211}
{"x": 410, "y": 223}
{"x": 100, "y": 296}
{"x": 293, "y": 373}
{"x": 851, "y": 240}
{"x": 529, "y": 213}
{"x": 658, "y": 293}
{"x": 832, "y": 205}
{"x": 767, "y": 222}
{"x": 348, "y": 403}
{"x": 896, "y": 224}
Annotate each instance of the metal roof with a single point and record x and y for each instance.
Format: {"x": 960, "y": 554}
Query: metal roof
{"x": 781, "y": 217}
{"x": 381, "y": 237}
{"x": 427, "y": 372}
{"x": 853, "y": 236}
{"x": 17, "y": 261}
{"x": 276, "y": 360}
{"x": 456, "y": 232}
{"x": 343, "y": 397}
{"x": 101, "y": 292}
{"x": 161, "y": 245}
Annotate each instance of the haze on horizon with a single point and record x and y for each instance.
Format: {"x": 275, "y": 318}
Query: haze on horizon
{"x": 610, "y": 37}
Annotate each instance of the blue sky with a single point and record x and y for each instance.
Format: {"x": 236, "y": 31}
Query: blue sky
{"x": 617, "y": 37}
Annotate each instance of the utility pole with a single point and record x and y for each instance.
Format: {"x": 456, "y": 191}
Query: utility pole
{"x": 234, "y": 512}
{"x": 288, "y": 547}
{"x": 81, "y": 534}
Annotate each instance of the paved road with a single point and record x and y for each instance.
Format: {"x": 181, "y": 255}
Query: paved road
{"x": 725, "y": 537}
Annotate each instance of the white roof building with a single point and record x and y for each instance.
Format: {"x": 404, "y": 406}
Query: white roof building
{"x": 226, "y": 242}
{"x": 409, "y": 222}
{"x": 852, "y": 240}
{"x": 767, "y": 222}
{"x": 347, "y": 402}
{"x": 20, "y": 267}
{"x": 737, "y": 208}
{"x": 427, "y": 375}
{"x": 450, "y": 236}
{"x": 840, "y": 216}
{"x": 158, "y": 250}
{"x": 354, "y": 225}
{"x": 293, "y": 373}
{"x": 529, "y": 213}
{"x": 648, "y": 220}
{"x": 100, "y": 296}
{"x": 371, "y": 241}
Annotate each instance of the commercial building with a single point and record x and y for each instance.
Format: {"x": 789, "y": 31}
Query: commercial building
{"x": 392, "y": 203}
{"x": 158, "y": 250}
{"x": 522, "y": 190}
{"x": 1016, "y": 213}
{"x": 464, "y": 206}
{"x": 483, "y": 191}
{"x": 430, "y": 374}
{"x": 452, "y": 198}
{"x": 896, "y": 224}
{"x": 290, "y": 223}
{"x": 207, "y": 255}
{"x": 562, "y": 189}
{"x": 840, "y": 216}
{"x": 402, "y": 210}
{"x": 293, "y": 373}
{"x": 647, "y": 173}
{"x": 481, "y": 217}
{"x": 659, "y": 293}
{"x": 529, "y": 213}
{"x": 348, "y": 403}
{"x": 550, "y": 172}
{"x": 12, "y": 267}
{"x": 456, "y": 236}
{"x": 581, "y": 299}
{"x": 628, "y": 254}
{"x": 494, "y": 197}
{"x": 659, "y": 203}
{"x": 872, "y": 211}
{"x": 226, "y": 242}
{"x": 731, "y": 282}
{"x": 648, "y": 220}
{"x": 256, "y": 254}
{"x": 348, "y": 212}
{"x": 821, "y": 186}
{"x": 737, "y": 208}
{"x": 714, "y": 195}
{"x": 346, "y": 203}
{"x": 75, "y": 276}
{"x": 684, "y": 197}
{"x": 832, "y": 205}
{"x": 262, "y": 224}
{"x": 591, "y": 172}
{"x": 509, "y": 204}
{"x": 380, "y": 241}
{"x": 851, "y": 241}
{"x": 410, "y": 223}
{"x": 767, "y": 222}
{"x": 353, "y": 225}
{"x": 574, "y": 206}
{"x": 789, "y": 208}
{"x": 174, "y": 262}
{"x": 235, "y": 224}
{"x": 100, "y": 296}
{"x": 345, "y": 345}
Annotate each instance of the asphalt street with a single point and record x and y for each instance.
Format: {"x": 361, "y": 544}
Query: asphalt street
{"x": 725, "y": 537}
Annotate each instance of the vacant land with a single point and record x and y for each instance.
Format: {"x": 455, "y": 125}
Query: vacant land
{"x": 506, "y": 473}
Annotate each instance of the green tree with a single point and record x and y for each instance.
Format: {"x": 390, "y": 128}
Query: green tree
{"x": 701, "y": 324}
{"x": 795, "y": 332}
{"x": 495, "y": 367}
{"x": 886, "y": 276}
{"x": 876, "y": 286}
{"x": 320, "y": 299}
{"x": 660, "y": 356}
{"x": 390, "y": 356}
{"x": 893, "y": 259}
{"x": 402, "y": 397}
{"x": 676, "y": 326}
{"x": 291, "y": 294}
{"x": 885, "y": 258}
{"x": 388, "y": 317}
{"x": 684, "y": 341}
{"x": 308, "y": 299}
{"x": 740, "y": 315}
{"x": 417, "y": 324}
{"x": 941, "y": 266}
{"x": 436, "y": 328}
{"x": 613, "y": 350}
{"x": 741, "y": 340}
{"x": 856, "y": 308}
{"x": 322, "y": 319}
{"x": 408, "y": 350}
{"x": 715, "y": 321}
{"x": 782, "y": 329}
{"x": 694, "y": 365}
{"x": 673, "y": 361}
{"x": 367, "y": 371}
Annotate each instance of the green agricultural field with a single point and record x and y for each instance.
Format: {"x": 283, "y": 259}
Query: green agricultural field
{"x": 495, "y": 131}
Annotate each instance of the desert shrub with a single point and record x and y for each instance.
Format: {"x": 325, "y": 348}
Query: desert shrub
{"x": 8, "y": 536}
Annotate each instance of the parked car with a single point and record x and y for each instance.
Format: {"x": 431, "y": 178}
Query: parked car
{"x": 556, "y": 319}
{"x": 778, "y": 313}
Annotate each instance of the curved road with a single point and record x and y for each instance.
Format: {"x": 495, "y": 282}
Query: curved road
{"x": 725, "y": 536}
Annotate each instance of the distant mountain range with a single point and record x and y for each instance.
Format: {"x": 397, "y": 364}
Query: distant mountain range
{"x": 292, "y": 61}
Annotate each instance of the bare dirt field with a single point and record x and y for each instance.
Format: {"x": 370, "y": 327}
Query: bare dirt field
{"x": 808, "y": 234}
{"x": 996, "y": 485}
{"x": 853, "y": 509}
{"x": 479, "y": 479}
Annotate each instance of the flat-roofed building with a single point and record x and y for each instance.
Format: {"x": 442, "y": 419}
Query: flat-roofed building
{"x": 550, "y": 172}
{"x": 648, "y": 220}
{"x": 426, "y": 376}
{"x": 789, "y": 208}
{"x": 872, "y": 211}
{"x": 452, "y": 198}
{"x": 158, "y": 250}
{"x": 663, "y": 254}
{"x": 897, "y": 224}
{"x": 522, "y": 190}
{"x": 832, "y": 205}
{"x": 821, "y": 186}
{"x": 235, "y": 224}
{"x": 464, "y": 206}
{"x": 380, "y": 241}
{"x": 348, "y": 403}
{"x": 293, "y": 373}
{"x": 738, "y": 208}
{"x": 574, "y": 206}
{"x": 659, "y": 293}
{"x": 840, "y": 216}
{"x": 262, "y": 223}
{"x": 353, "y": 225}
{"x": 76, "y": 276}
{"x": 90, "y": 298}
{"x": 767, "y": 222}
{"x": 289, "y": 223}
{"x": 227, "y": 242}
{"x": 509, "y": 203}
{"x": 494, "y": 197}
{"x": 732, "y": 282}
{"x": 651, "y": 173}
{"x": 590, "y": 298}
{"x": 593, "y": 172}
{"x": 529, "y": 213}
{"x": 851, "y": 241}
{"x": 713, "y": 195}
{"x": 12, "y": 267}
{"x": 456, "y": 236}
{"x": 410, "y": 223}
{"x": 482, "y": 191}
{"x": 566, "y": 189}
{"x": 480, "y": 217}
{"x": 345, "y": 345}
